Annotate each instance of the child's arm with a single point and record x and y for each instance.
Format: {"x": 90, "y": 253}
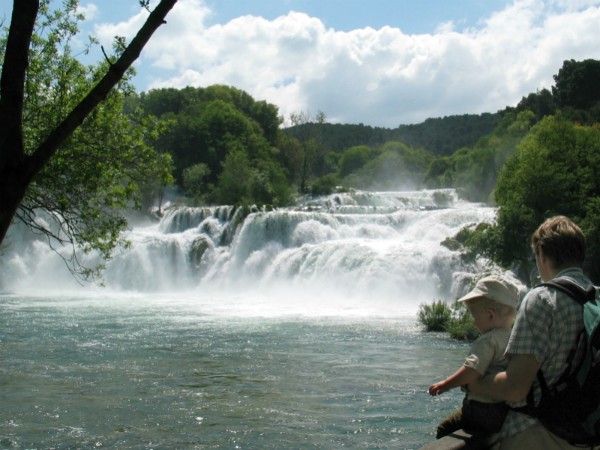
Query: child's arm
{"x": 462, "y": 376}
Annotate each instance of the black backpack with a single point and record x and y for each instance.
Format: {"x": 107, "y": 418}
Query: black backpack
{"x": 570, "y": 408}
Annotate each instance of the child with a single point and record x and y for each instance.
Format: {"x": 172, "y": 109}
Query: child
{"x": 493, "y": 305}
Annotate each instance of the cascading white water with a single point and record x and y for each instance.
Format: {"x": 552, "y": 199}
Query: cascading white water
{"x": 366, "y": 247}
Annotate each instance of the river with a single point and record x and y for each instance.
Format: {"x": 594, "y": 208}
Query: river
{"x": 293, "y": 328}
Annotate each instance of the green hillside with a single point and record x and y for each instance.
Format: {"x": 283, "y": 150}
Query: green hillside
{"x": 439, "y": 136}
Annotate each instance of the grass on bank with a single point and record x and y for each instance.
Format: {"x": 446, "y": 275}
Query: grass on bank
{"x": 453, "y": 319}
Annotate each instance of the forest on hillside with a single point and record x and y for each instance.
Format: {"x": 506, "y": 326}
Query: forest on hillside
{"x": 219, "y": 135}
{"x": 212, "y": 132}
{"x": 440, "y": 136}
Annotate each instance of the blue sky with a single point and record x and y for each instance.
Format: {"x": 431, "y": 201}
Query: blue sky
{"x": 411, "y": 16}
{"x": 378, "y": 62}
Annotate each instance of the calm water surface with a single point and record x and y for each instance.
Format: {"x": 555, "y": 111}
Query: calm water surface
{"x": 157, "y": 372}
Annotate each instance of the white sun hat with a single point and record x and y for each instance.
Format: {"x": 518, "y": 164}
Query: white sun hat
{"x": 495, "y": 288}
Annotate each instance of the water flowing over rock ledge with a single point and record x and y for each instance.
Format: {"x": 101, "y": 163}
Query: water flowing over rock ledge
{"x": 373, "y": 245}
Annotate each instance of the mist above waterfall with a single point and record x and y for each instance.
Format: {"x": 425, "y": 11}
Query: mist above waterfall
{"x": 349, "y": 250}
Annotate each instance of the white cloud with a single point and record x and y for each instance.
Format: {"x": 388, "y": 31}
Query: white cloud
{"x": 378, "y": 77}
{"x": 89, "y": 11}
{"x": 574, "y": 5}
{"x": 105, "y": 32}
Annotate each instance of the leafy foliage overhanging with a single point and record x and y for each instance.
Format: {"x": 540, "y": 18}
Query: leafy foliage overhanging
{"x": 70, "y": 159}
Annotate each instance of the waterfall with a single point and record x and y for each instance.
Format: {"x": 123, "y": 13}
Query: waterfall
{"x": 372, "y": 246}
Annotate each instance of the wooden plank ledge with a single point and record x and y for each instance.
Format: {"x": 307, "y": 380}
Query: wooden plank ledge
{"x": 463, "y": 440}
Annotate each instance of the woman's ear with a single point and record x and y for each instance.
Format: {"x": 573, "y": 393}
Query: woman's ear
{"x": 540, "y": 254}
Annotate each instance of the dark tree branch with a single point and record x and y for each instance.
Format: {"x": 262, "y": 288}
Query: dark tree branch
{"x": 48, "y": 148}
{"x": 17, "y": 170}
{"x": 106, "y": 56}
{"x": 12, "y": 83}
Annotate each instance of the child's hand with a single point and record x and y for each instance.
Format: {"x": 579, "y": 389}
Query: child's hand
{"x": 437, "y": 389}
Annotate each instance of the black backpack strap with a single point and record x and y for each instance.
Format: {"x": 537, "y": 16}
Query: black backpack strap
{"x": 530, "y": 408}
{"x": 581, "y": 296}
{"x": 572, "y": 289}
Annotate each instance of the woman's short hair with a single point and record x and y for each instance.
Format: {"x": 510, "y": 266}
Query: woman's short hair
{"x": 562, "y": 241}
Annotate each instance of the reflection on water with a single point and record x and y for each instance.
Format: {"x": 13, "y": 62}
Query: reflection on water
{"x": 154, "y": 372}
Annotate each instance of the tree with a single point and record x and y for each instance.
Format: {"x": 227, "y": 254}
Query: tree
{"x": 475, "y": 170}
{"x": 395, "y": 166}
{"x": 160, "y": 177}
{"x": 290, "y": 155}
{"x": 439, "y": 173}
{"x": 555, "y": 171}
{"x": 26, "y": 152}
{"x": 311, "y": 141}
{"x": 194, "y": 180}
{"x": 576, "y": 84}
{"x": 541, "y": 103}
{"x": 208, "y": 122}
{"x": 235, "y": 180}
{"x": 354, "y": 158}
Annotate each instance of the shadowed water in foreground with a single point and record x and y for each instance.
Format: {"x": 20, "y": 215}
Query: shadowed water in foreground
{"x": 153, "y": 373}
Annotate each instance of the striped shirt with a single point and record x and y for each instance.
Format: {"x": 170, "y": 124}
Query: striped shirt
{"x": 547, "y": 324}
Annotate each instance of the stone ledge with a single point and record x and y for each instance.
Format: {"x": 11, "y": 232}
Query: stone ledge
{"x": 463, "y": 440}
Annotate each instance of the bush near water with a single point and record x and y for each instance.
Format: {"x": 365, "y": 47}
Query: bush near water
{"x": 453, "y": 319}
